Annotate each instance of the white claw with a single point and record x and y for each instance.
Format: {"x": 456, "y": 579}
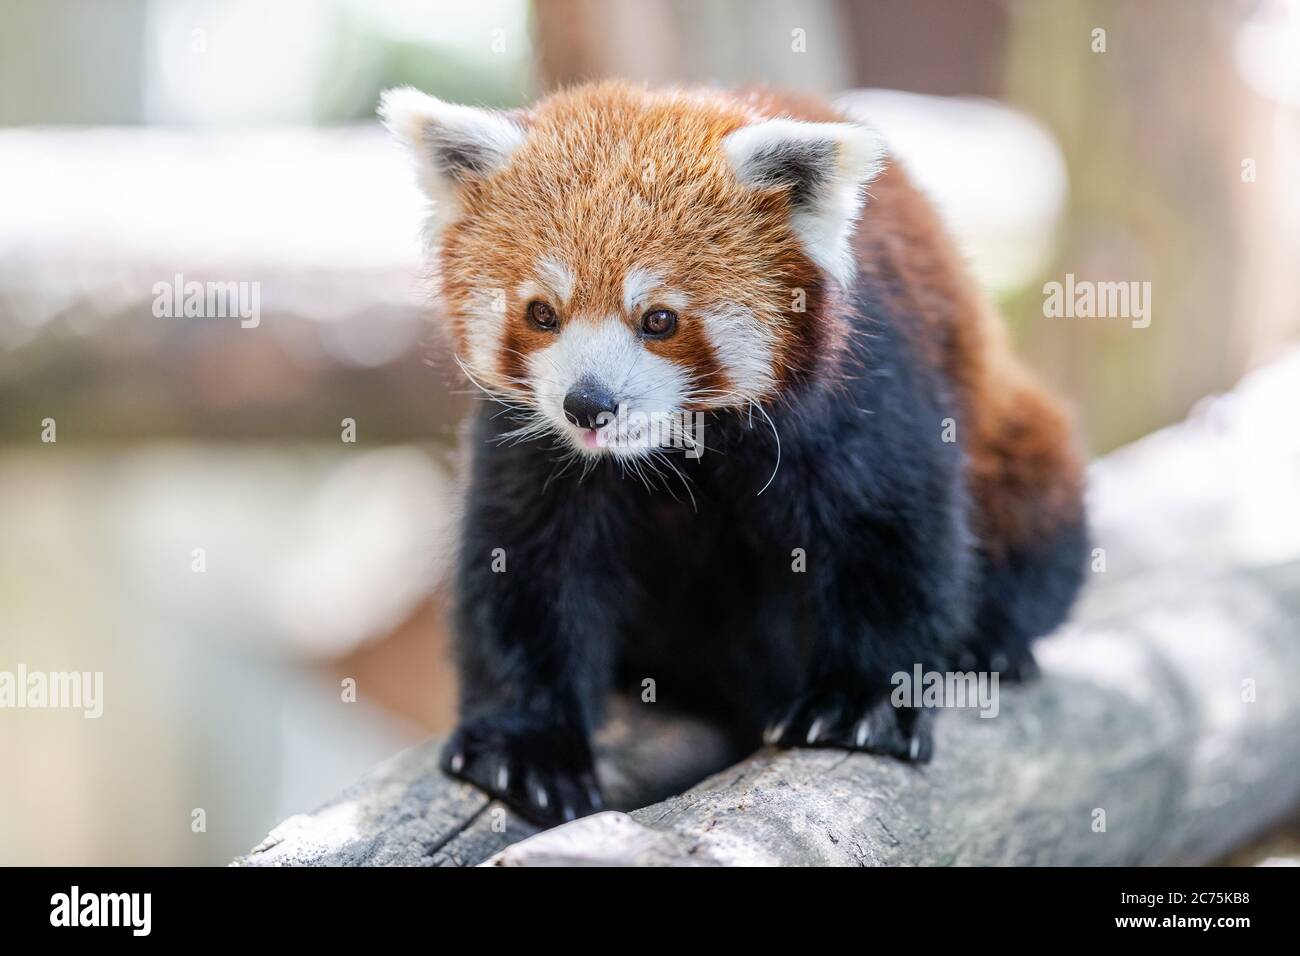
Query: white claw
{"x": 814, "y": 730}
{"x": 503, "y": 777}
{"x": 542, "y": 799}
{"x": 568, "y": 812}
{"x": 457, "y": 763}
{"x": 864, "y": 731}
{"x": 915, "y": 748}
{"x": 774, "y": 733}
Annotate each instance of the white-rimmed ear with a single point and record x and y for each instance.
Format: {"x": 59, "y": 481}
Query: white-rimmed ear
{"x": 826, "y": 168}
{"x": 451, "y": 144}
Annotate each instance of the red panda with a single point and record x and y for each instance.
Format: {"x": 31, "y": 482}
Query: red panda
{"x": 871, "y": 480}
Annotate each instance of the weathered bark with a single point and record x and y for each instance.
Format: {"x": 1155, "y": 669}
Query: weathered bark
{"x": 406, "y": 812}
{"x": 1166, "y": 709}
{"x": 1140, "y": 716}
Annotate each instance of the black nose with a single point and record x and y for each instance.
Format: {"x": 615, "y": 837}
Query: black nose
{"x": 586, "y": 402}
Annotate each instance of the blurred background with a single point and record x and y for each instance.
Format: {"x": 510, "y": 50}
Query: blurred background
{"x": 201, "y": 531}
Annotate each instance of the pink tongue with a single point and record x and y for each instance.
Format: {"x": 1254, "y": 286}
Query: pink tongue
{"x": 589, "y": 437}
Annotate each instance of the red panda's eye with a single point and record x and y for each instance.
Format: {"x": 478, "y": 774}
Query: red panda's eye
{"x": 659, "y": 323}
{"x": 543, "y": 315}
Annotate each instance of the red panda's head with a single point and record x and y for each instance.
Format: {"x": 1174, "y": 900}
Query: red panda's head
{"x": 614, "y": 247}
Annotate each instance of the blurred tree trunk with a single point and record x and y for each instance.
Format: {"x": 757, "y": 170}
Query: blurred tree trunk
{"x": 1154, "y": 131}
{"x": 799, "y": 44}
{"x": 928, "y": 46}
{"x": 581, "y": 40}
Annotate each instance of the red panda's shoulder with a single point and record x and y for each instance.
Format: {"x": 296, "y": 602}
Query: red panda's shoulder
{"x": 1024, "y": 462}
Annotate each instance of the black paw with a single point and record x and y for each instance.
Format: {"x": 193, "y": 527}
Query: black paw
{"x": 1009, "y": 663}
{"x": 855, "y": 721}
{"x": 544, "y": 773}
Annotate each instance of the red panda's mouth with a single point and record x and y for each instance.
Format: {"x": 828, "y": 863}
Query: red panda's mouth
{"x": 610, "y": 438}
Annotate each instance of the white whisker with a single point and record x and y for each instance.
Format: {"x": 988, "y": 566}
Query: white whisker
{"x": 776, "y": 434}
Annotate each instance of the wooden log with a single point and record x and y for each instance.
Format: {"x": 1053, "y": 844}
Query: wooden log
{"x": 406, "y": 812}
{"x": 1139, "y": 725}
{"x": 1165, "y": 727}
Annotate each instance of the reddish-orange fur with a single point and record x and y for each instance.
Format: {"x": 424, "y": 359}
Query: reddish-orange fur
{"x": 643, "y": 182}
{"x": 612, "y": 177}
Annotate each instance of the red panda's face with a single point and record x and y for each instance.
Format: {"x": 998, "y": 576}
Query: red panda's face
{"x": 614, "y": 255}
